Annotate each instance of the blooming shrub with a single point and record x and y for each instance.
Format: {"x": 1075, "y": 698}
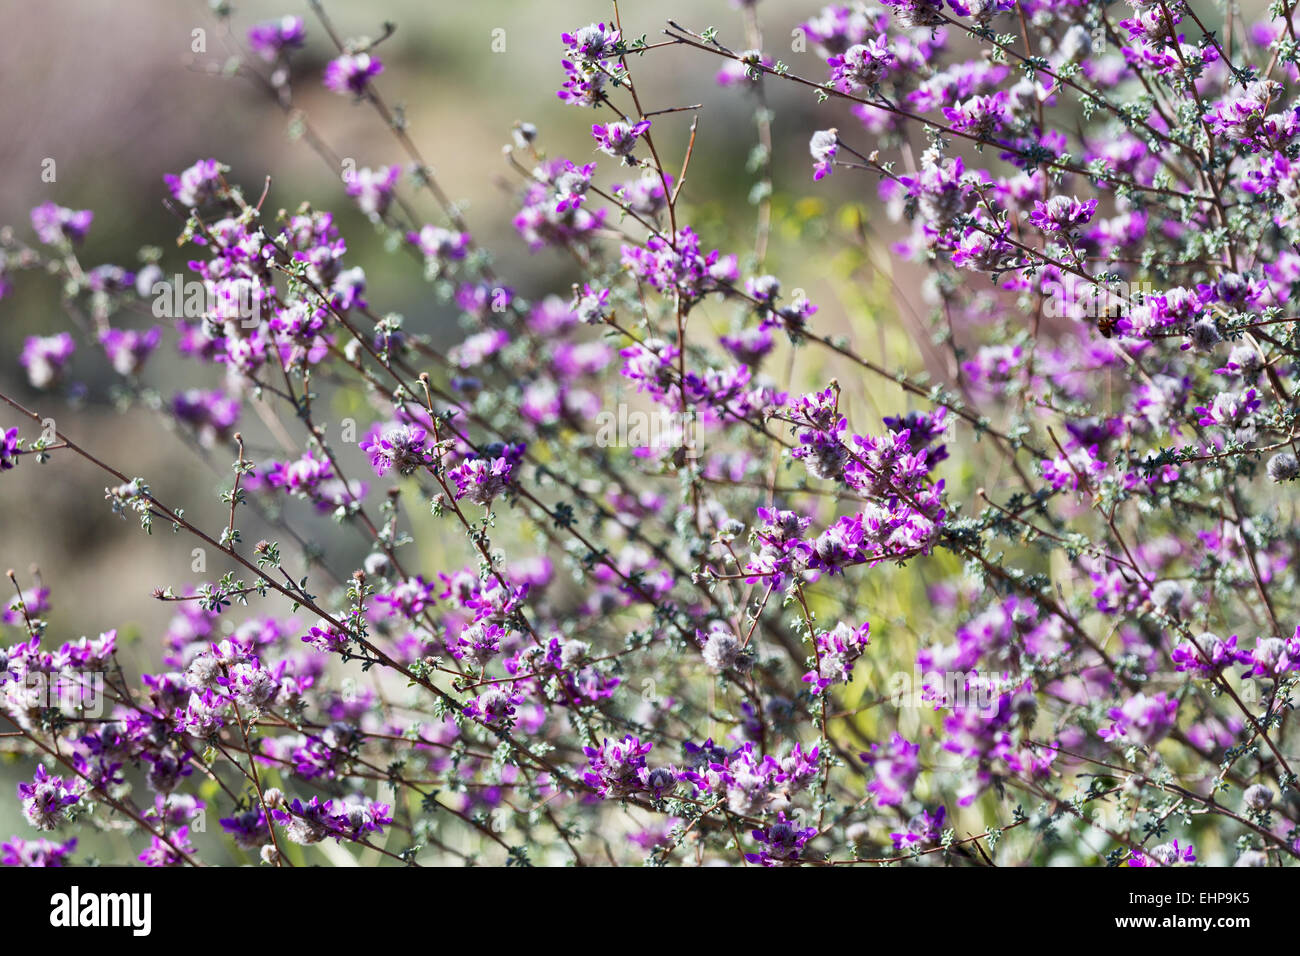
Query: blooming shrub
{"x": 677, "y": 647}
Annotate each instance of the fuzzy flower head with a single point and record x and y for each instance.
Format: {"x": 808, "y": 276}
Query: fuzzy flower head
{"x": 8, "y": 448}
{"x": 401, "y": 447}
{"x": 373, "y": 188}
{"x": 782, "y": 842}
{"x": 45, "y": 799}
{"x": 1142, "y": 719}
{"x": 823, "y": 146}
{"x": 211, "y": 414}
{"x": 619, "y": 138}
{"x": 44, "y": 357}
{"x": 55, "y": 224}
{"x": 593, "y": 42}
{"x": 351, "y": 73}
{"x": 481, "y": 479}
{"x": 19, "y": 852}
{"x": 863, "y": 65}
{"x": 495, "y": 707}
{"x": 1061, "y": 214}
{"x": 979, "y": 116}
{"x": 1283, "y": 467}
{"x": 127, "y": 349}
{"x": 837, "y": 651}
{"x": 618, "y": 769}
{"x": 197, "y": 184}
{"x": 270, "y": 39}
{"x": 439, "y": 246}
{"x": 896, "y": 768}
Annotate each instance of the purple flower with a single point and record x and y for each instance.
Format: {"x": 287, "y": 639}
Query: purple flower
{"x": 681, "y": 267}
{"x": 45, "y": 800}
{"x": 922, "y": 430}
{"x": 923, "y": 830}
{"x": 1166, "y": 854}
{"x": 8, "y": 449}
{"x": 745, "y": 71}
{"x": 979, "y": 116}
{"x": 44, "y": 357}
{"x": 351, "y": 73}
{"x": 439, "y": 246}
{"x": 823, "y": 146}
{"x": 19, "y": 852}
{"x": 494, "y": 707}
{"x": 1142, "y": 719}
{"x": 619, "y": 769}
{"x": 981, "y": 10}
{"x": 327, "y": 638}
{"x": 591, "y": 43}
{"x": 782, "y": 842}
{"x": 306, "y": 823}
{"x": 268, "y": 40}
{"x": 618, "y": 139}
{"x": 1061, "y": 214}
{"x": 590, "y": 305}
{"x": 196, "y": 185}
{"x": 302, "y": 477}
{"x": 479, "y": 643}
{"x": 896, "y": 768}
{"x": 749, "y": 346}
{"x": 250, "y": 829}
{"x": 1212, "y": 656}
{"x": 55, "y": 223}
{"x": 476, "y": 349}
{"x": 862, "y": 65}
{"x": 1229, "y": 409}
{"x": 553, "y": 212}
{"x": 408, "y": 598}
{"x": 373, "y": 189}
{"x": 837, "y": 651}
{"x": 571, "y": 184}
{"x": 1243, "y": 119}
{"x": 127, "y": 349}
{"x": 644, "y": 196}
{"x": 211, "y": 414}
{"x": 1273, "y": 657}
{"x": 35, "y": 600}
{"x": 401, "y": 447}
{"x": 917, "y": 13}
{"x": 359, "y": 817}
{"x": 482, "y": 478}
{"x": 583, "y": 85}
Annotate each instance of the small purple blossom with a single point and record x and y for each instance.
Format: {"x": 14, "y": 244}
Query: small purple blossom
{"x": 55, "y": 223}
{"x": 482, "y": 478}
{"x": 46, "y": 799}
{"x": 619, "y": 138}
{"x": 8, "y": 448}
{"x": 401, "y": 447}
{"x": 271, "y": 39}
{"x": 351, "y": 73}
{"x": 45, "y": 357}
{"x": 197, "y": 184}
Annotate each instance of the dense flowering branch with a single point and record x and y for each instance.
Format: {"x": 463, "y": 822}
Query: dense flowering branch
{"x": 663, "y": 602}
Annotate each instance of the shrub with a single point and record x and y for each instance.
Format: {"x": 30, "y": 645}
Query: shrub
{"x": 707, "y": 607}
